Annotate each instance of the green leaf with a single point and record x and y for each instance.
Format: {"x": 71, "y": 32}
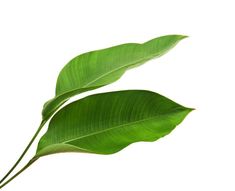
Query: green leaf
{"x": 106, "y": 123}
{"x": 99, "y": 68}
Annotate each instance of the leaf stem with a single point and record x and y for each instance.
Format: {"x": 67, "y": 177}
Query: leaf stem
{"x": 19, "y": 172}
{"x": 24, "y": 152}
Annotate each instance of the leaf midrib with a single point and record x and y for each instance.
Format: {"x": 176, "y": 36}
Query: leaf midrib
{"x": 112, "y": 71}
{"x": 119, "y": 126}
{"x": 67, "y": 94}
{"x": 134, "y": 63}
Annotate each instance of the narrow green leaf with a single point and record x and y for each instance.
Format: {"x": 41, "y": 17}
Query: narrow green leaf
{"x": 106, "y": 123}
{"x": 99, "y": 68}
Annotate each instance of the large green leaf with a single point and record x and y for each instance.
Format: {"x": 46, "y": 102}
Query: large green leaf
{"x": 99, "y": 68}
{"x": 106, "y": 123}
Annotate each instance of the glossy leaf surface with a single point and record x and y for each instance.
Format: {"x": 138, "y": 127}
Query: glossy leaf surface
{"x": 99, "y": 68}
{"x": 106, "y": 123}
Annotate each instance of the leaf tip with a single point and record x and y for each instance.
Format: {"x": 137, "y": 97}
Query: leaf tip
{"x": 190, "y": 109}
{"x": 183, "y": 37}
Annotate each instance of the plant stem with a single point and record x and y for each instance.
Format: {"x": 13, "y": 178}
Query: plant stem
{"x": 19, "y": 172}
{"x": 25, "y": 151}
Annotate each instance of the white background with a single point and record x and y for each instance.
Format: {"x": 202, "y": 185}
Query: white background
{"x": 37, "y": 38}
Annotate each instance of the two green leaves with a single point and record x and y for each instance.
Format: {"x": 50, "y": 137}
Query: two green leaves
{"x": 106, "y": 123}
